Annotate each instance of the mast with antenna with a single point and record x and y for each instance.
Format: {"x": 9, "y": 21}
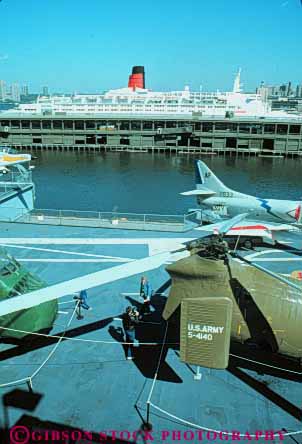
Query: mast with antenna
{"x": 237, "y": 84}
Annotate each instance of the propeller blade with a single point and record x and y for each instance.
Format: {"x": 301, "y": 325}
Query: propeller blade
{"x": 85, "y": 282}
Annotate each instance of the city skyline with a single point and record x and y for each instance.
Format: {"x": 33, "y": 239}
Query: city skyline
{"x": 91, "y": 48}
{"x": 15, "y": 91}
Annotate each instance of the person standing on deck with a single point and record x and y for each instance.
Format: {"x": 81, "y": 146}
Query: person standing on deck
{"x": 145, "y": 293}
{"x": 81, "y": 298}
{"x": 130, "y": 320}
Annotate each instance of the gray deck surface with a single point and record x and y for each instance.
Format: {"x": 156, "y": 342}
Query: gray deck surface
{"x": 91, "y": 386}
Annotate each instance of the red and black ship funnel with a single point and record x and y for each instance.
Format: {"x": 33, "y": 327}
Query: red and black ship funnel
{"x": 137, "y": 78}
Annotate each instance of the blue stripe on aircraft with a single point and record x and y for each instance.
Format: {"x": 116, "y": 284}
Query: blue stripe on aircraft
{"x": 267, "y": 207}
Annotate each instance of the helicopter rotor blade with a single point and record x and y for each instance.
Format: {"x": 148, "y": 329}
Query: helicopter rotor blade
{"x": 226, "y": 226}
{"x": 87, "y": 281}
{"x": 269, "y": 272}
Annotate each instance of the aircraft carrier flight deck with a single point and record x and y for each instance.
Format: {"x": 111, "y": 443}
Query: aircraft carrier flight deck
{"x": 84, "y": 378}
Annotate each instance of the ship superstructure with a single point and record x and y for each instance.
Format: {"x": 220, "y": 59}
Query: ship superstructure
{"x": 137, "y": 99}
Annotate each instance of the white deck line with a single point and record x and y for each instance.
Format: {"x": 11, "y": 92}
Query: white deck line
{"x": 119, "y": 261}
{"x": 50, "y": 250}
{"x": 87, "y": 281}
{"x": 89, "y": 240}
{"x": 155, "y": 245}
{"x": 279, "y": 259}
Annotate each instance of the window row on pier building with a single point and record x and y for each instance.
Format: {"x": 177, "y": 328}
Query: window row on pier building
{"x": 245, "y": 134}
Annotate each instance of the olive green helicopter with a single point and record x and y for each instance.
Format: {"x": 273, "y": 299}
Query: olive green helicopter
{"x": 225, "y": 297}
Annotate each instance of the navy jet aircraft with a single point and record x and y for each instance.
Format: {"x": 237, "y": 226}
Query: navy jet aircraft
{"x": 224, "y": 202}
{"x": 268, "y": 219}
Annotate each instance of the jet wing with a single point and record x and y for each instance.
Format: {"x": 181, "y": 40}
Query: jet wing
{"x": 274, "y": 232}
{"x": 204, "y": 192}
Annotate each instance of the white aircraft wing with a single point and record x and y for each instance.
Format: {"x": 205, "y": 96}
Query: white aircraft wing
{"x": 269, "y": 230}
{"x": 224, "y": 226}
{"x": 204, "y": 192}
{"x": 91, "y": 280}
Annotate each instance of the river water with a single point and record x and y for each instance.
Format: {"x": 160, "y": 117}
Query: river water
{"x": 152, "y": 183}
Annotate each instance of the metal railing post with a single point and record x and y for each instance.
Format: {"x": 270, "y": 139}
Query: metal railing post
{"x": 148, "y": 425}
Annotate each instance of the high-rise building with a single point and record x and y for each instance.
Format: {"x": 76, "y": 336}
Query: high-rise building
{"x": 299, "y": 91}
{"x": 274, "y": 91}
{"x": 2, "y": 90}
{"x": 24, "y": 90}
{"x": 45, "y": 91}
{"x": 15, "y": 92}
{"x": 282, "y": 90}
{"x": 289, "y": 89}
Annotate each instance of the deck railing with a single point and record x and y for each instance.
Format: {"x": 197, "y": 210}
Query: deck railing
{"x": 107, "y": 219}
{"x": 15, "y": 179}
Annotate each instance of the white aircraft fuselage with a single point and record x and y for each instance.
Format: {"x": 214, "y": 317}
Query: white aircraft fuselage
{"x": 225, "y": 203}
{"x": 272, "y": 210}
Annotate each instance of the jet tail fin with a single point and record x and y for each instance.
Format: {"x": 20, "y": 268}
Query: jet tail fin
{"x": 206, "y": 179}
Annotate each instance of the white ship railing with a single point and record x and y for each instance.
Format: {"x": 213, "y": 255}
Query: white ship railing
{"x": 14, "y": 180}
{"x": 16, "y": 177}
{"x": 104, "y": 219}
